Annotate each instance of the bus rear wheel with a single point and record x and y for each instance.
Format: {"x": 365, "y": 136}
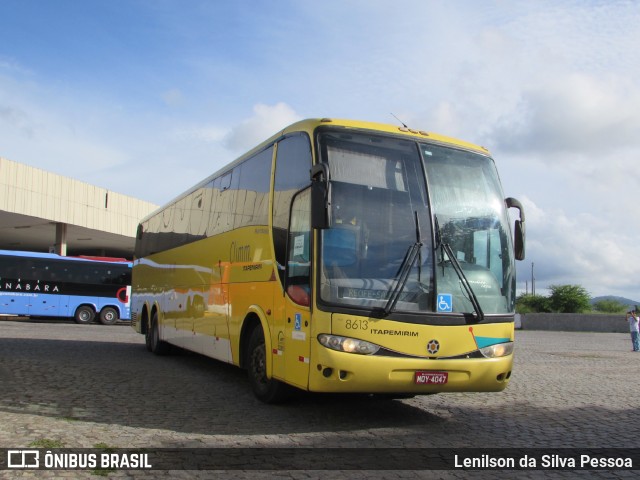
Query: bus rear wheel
{"x": 147, "y": 336}
{"x": 268, "y": 390}
{"x": 84, "y": 314}
{"x": 158, "y": 346}
{"x": 108, "y": 316}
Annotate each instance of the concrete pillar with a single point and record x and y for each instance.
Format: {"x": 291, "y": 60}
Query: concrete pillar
{"x": 61, "y": 239}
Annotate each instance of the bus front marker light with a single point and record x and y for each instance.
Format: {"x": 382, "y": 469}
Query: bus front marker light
{"x": 497, "y": 350}
{"x": 348, "y": 345}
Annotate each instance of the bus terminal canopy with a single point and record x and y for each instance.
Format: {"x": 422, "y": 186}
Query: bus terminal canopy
{"x": 41, "y": 211}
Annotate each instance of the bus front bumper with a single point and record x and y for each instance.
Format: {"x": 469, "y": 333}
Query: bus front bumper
{"x": 334, "y": 371}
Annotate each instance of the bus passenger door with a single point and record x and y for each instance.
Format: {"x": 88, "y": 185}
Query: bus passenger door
{"x": 297, "y": 342}
{"x": 291, "y": 226}
{"x": 297, "y": 329}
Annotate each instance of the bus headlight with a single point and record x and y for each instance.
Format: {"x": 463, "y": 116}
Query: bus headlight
{"x": 497, "y": 350}
{"x": 346, "y": 344}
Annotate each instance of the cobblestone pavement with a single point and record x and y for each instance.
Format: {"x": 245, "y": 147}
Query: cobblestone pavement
{"x": 82, "y": 385}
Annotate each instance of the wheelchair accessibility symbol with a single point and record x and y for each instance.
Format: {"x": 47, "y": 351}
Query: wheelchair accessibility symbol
{"x": 445, "y": 302}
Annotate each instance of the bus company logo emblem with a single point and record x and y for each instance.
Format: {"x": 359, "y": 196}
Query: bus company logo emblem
{"x": 433, "y": 346}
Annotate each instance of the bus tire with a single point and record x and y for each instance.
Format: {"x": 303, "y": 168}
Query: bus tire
{"x": 147, "y": 336}
{"x": 108, "y": 316}
{"x": 84, "y": 314}
{"x": 158, "y": 346}
{"x": 265, "y": 389}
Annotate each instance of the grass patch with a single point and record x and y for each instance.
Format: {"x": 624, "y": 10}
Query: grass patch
{"x": 70, "y": 419}
{"x": 103, "y": 472}
{"x": 103, "y": 446}
{"x": 46, "y": 443}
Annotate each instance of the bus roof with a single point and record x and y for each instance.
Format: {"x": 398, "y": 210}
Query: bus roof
{"x": 309, "y": 126}
{"x": 81, "y": 258}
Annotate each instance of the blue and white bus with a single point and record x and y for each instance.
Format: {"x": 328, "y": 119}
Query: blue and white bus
{"x": 48, "y": 285}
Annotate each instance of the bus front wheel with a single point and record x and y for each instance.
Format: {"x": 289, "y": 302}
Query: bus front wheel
{"x": 108, "y": 316}
{"x": 269, "y": 390}
{"x": 84, "y": 314}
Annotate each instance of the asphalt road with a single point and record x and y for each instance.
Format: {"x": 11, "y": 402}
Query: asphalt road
{"x": 79, "y": 386}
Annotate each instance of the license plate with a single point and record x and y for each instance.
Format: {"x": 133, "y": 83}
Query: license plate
{"x": 431, "y": 378}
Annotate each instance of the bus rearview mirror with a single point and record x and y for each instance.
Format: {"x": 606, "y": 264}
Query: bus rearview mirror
{"x": 320, "y": 196}
{"x": 519, "y": 230}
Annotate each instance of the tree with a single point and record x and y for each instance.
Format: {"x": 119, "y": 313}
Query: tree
{"x": 569, "y": 299}
{"x": 610, "y": 306}
{"x": 529, "y": 303}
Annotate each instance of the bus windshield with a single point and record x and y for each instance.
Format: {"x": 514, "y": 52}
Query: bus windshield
{"x": 472, "y": 227}
{"x": 379, "y": 211}
{"x": 381, "y": 254}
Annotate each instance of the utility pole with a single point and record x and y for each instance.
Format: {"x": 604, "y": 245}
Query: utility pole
{"x": 533, "y": 281}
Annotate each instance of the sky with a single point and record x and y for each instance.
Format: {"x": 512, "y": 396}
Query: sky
{"x": 148, "y": 97}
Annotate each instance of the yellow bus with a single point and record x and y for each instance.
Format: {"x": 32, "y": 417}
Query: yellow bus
{"x": 339, "y": 256}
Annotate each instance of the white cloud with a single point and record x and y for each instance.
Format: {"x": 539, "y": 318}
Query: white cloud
{"x": 200, "y": 133}
{"x": 16, "y": 119}
{"x": 47, "y": 140}
{"x": 266, "y": 121}
{"x": 11, "y": 66}
{"x": 576, "y": 113}
{"x": 578, "y": 249}
{"x": 173, "y": 97}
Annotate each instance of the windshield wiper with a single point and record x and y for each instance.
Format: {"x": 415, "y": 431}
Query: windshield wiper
{"x": 407, "y": 264}
{"x": 405, "y": 269}
{"x": 465, "y": 282}
{"x": 458, "y": 269}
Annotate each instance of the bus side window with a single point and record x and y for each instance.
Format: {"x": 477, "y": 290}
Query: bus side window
{"x": 253, "y": 191}
{"x": 293, "y": 162}
{"x": 299, "y": 257}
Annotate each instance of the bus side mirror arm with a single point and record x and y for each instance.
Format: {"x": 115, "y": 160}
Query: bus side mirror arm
{"x": 519, "y": 230}
{"x": 320, "y": 197}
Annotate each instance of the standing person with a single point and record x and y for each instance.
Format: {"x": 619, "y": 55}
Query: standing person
{"x": 633, "y": 319}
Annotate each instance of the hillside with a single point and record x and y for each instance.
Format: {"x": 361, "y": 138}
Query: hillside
{"x": 623, "y": 300}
